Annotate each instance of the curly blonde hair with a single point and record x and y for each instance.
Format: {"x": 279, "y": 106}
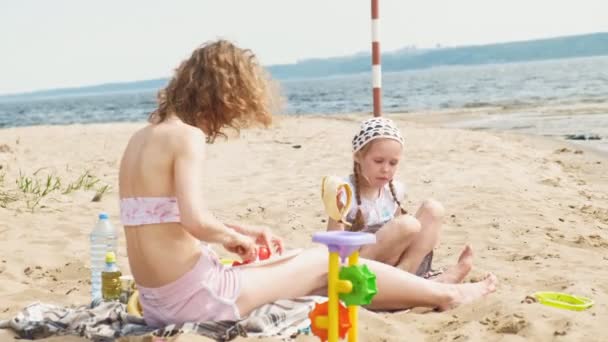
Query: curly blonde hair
{"x": 220, "y": 85}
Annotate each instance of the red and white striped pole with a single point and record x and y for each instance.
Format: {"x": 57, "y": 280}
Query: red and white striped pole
{"x": 376, "y": 68}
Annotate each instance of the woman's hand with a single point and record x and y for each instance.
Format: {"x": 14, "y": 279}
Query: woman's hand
{"x": 243, "y": 245}
{"x": 262, "y": 236}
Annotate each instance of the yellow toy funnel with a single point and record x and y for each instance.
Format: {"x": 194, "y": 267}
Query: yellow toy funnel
{"x": 332, "y": 188}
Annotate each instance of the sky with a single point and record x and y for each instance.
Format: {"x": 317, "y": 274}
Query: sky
{"x": 67, "y": 43}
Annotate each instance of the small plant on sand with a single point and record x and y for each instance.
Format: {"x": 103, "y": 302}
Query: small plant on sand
{"x": 86, "y": 181}
{"x": 35, "y": 188}
{"x": 6, "y": 198}
{"x": 38, "y": 187}
{"x": 100, "y": 192}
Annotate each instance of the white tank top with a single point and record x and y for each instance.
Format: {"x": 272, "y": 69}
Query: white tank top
{"x": 376, "y": 211}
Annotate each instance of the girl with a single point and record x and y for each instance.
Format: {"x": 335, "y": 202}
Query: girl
{"x": 403, "y": 240}
{"x": 165, "y": 217}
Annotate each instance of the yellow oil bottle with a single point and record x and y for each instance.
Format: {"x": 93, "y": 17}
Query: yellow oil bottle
{"x": 110, "y": 279}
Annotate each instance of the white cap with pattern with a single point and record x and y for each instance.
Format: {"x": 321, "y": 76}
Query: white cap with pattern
{"x": 376, "y": 128}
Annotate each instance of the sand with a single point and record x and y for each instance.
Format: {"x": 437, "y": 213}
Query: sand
{"x": 534, "y": 209}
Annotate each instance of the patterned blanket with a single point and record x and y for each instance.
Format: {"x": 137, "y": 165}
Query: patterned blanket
{"x": 108, "y": 321}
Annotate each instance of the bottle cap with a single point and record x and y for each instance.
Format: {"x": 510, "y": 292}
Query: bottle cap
{"x": 110, "y": 257}
{"x": 103, "y": 216}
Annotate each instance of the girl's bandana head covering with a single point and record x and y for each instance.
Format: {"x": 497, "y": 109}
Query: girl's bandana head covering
{"x": 376, "y": 128}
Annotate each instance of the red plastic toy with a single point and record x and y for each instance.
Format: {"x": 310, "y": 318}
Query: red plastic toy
{"x": 263, "y": 254}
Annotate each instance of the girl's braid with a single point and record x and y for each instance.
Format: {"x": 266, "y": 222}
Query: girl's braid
{"x": 359, "y": 222}
{"x": 392, "y": 187}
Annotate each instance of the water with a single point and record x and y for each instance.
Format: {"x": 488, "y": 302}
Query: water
{"x": 92, "y": 108}
{"x": 567, "y": 81}
{"x": 581, "y": 82}
{"x": 103, "y": 239}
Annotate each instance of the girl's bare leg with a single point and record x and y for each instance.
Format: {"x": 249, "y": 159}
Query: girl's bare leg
{"x": 406, "y": 240}
{"x": 392, "y": 240}
{"x": 430, "y": 215}
{"x": 458, "y": 272}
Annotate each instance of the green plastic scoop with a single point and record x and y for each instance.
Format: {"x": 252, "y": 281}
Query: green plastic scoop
{"x": 563, "y": 300}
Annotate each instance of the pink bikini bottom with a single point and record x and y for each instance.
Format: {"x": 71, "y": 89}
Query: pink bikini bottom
{"x": 207, "y": 292}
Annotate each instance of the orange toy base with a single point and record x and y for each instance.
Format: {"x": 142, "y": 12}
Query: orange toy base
{"x": 321, "y": 310}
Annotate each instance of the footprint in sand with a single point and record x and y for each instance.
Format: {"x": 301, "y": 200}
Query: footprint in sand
{"x": 585, "y": 194}
{"x": 581, "y": 241}
{"x": 554, "y": 182}
{"x": 34, "y": 272}
{"x": 567, "y": 150}
{"x": 509, "y": 324}
{"x": 69, "y": 272}
{"x": 518, "y": 257}
{"x": 551, "y": 256}
{"x": 562, "y": 150}
{"x": 446, "y": 328}
{"x": 591, "y": 241}
{"x": 595, "y": 212}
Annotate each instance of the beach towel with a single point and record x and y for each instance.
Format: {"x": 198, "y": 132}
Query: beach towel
{"x": 108, "y": 321}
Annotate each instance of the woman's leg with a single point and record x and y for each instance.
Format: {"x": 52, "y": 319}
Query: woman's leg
{"x": 306, "y": 274}
{"x": 392, "y": 240}
{"x": 430, "y": 215}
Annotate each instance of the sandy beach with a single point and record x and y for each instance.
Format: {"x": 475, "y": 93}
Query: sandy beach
{"x": 534, "y": 209}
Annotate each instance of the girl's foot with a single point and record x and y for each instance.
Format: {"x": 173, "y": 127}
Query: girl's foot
{"x": 458, "y": 272}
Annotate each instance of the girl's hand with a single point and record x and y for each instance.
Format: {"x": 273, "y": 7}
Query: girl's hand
{"x": 263, "y": 236}
{"x": 243, "y": 245}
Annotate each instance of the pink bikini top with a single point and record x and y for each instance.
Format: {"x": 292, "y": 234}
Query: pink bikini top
{"x": 135, "y": 211}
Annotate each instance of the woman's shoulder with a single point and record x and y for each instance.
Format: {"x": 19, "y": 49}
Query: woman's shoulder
{"x": 169, "y": 140}
{"x": 185, "y": 137}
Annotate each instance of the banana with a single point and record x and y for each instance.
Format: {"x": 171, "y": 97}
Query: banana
{"x": 133, "y": 306}
{"x": 331, "y": 189}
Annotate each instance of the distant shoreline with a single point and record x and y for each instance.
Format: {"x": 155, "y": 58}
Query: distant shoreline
{"x": 565, "y": 47}
{"x": 70, "y": 92}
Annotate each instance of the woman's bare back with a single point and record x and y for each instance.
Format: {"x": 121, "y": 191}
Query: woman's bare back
{"x": 158, "y": 253}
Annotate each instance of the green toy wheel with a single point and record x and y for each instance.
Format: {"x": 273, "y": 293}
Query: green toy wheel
{"x": 364, "y": 285}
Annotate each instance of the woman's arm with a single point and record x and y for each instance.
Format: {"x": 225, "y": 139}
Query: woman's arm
{"x": 188, "y": 173}
{"x": 262, "y": 236}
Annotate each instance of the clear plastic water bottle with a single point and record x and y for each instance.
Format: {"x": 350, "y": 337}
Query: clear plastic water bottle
{"x": 103, "y": 238}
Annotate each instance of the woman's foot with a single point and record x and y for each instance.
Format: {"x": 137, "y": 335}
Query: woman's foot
{"x": 466, "y": 293}
{"x": 458, "y": 272}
